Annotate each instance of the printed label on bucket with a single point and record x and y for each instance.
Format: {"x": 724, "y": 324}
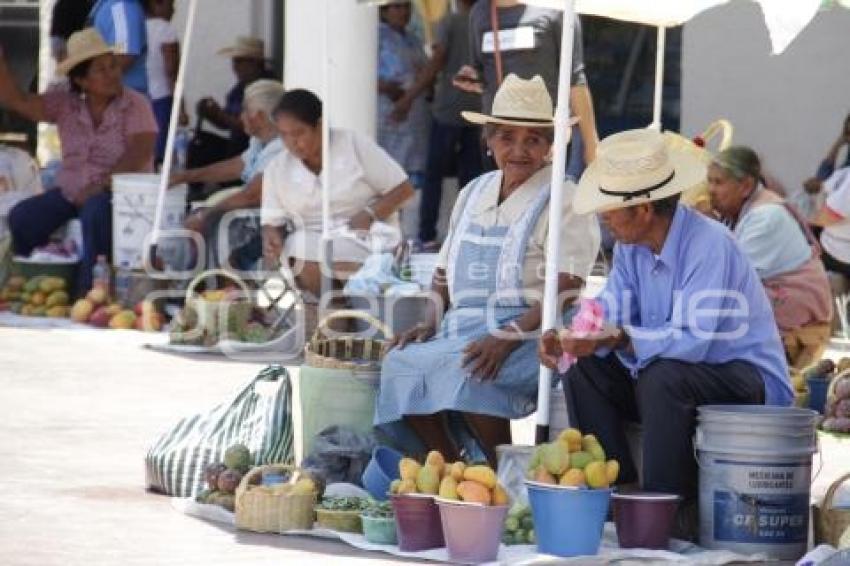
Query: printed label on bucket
{"x": 759, "y": 518}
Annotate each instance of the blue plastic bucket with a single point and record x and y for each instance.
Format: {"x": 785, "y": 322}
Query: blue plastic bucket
{"x": 381, "y": 471}
{"x": 818, "y": 388}
{"x": 567, "y": 521}
{"x": 754, "y": 478}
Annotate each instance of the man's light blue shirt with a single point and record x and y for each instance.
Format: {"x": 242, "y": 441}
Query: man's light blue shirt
{"x": 122, "y": 25}
{"x": 699, "y": 301}
{"x": 258, "y": 155}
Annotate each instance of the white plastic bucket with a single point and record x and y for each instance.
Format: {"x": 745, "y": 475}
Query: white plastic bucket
{"x": 755, "y": 478}
{"x": 134, "y": 198}
{"x": 422, "y": 267}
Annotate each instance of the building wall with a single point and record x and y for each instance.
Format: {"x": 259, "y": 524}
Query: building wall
{"x": 789, "y": 107}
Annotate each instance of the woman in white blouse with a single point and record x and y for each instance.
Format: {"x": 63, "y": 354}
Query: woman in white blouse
{"x": 367, "y": 188}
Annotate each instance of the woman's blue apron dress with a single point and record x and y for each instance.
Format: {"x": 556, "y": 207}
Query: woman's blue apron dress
{"x": 484, "y": 272}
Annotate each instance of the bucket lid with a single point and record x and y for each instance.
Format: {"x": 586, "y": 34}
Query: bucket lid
{"x": 754, "y": 412}
{"x": 647, "y": 496}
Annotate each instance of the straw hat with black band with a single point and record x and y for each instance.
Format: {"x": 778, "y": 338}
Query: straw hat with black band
{"x": 83, "y": 46}
{"x": 636, "y": 167}
{"x": 245, "y": 48}
{"x": 519, "y": 102}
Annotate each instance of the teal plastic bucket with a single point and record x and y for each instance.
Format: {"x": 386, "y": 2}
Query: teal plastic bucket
{"x": 755, "y": 478}
{"x": 568, "y": 521}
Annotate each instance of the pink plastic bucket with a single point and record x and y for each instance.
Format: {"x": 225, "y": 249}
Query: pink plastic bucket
{"x": 417, "y": 522}
{"x": 473, "y": 532}
{"x": 644, "y": 520}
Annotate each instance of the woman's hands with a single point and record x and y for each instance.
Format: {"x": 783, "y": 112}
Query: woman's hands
{"x": 361, "y": 221}
{"x": 484, "y": 357}
{"x": 197, "y": 220}
{"x": 422, "y": 332}
{"x": 272, "y": 245}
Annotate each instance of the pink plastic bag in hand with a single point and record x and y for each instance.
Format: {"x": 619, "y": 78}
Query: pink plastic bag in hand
{"x": 589, "y": 320}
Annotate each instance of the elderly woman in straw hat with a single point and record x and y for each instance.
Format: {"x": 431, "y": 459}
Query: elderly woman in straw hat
{"x": 687, "y": 319}
{"x": 782, "y": 249}
{"x": 472, "y": 360}
{"x": 104, "y": 129}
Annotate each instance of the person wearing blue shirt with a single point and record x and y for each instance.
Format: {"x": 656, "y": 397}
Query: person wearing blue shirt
{"x": 122, "y": 25}
{"x": 687, "y": 321}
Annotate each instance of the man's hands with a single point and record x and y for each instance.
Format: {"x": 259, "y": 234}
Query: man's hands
{"x": 554, "y": 344}
{"x": 209, "y": 109}
{"x": 467, "y": 80}
{"x": 813, "y": 185}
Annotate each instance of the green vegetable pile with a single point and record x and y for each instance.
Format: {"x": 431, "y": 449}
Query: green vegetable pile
{"x": 519, "y": 526}
{"x": 379, "y": 510}
{"x": 344, "y": 504}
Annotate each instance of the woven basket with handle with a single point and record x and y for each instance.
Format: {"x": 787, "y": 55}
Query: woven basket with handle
{"x": 346, "y": 351}
{"x": 261, "y": 510}
{"x": 831, "y": 523}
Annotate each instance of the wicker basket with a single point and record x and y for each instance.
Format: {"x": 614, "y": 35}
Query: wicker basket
{"x": 262, "y": 511}
{"x": 350, "y": 352}
{"x": 697, "y": 196}
{"x": 832, "y": 523}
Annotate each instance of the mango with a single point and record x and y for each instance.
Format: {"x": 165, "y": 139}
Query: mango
{"x": 556, "y": 458}
{"x": 587, "y": 441}
{"x": 408, "y": 468}
{"x": 597, "y": 452}
{"x": 40, "y": 310}
{"x": 97, "y": 296}
{"x": 50, "y": 284}
{"x": 115, "y": 308}
{"x": 457, "y": 471}
{"x": 580, "y": 460}
{"x": 473, "y": 492}
{"x": 16, "y": 283}
{"x": 59, "y": 311}
{"x": 435, "y": 459}
{"x": 26, "y": 310}
{"x": 428, "y": 479}
{"x": 571, "y": 438}
{"x": 500, "y": 496}
{"x": 394, "y": 485}
{"x": 448, "y": 488}
{"x": 597, "y": 475}
{"x": 38, "y": 298}
{"x": 481, "y": 474}
{"x": 536, "y": 458}
{"x": 304, "y": 486}
{"x": 542, "y": 476}
{"x": 32, "y": 285}
{"x": 407, "y": 486}
{"x": 57, "y": 298}
{"x": 573, "y": 478}
{"x": 124, "y": 320}
{"x": 612, "y": 470}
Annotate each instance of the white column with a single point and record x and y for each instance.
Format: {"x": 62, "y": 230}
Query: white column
{"x": 353, "y": 57}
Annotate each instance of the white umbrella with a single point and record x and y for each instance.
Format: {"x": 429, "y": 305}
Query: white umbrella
{"x": 784, "y": 20}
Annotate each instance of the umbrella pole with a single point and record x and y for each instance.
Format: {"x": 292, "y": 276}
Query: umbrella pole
{"x": 661, "y": 41}
{"x": 556, "y": 200}
{"x": 179, "y": 87}
{"x": 326, "y": 253}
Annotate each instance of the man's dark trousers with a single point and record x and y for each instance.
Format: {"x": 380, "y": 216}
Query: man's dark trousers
{"x": 603, "y": 395}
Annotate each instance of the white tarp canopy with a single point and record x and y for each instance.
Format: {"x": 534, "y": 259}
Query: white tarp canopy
{"x": 784, "y": 19}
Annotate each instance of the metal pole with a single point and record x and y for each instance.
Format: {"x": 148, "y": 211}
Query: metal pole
{"x": 556, "y": 200}
{"x": 660, "y": 43}
{"x": 327, "y": 251}
{"x": 179, "y": 87}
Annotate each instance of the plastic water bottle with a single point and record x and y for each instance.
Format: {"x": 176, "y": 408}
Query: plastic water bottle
{"x": 181, "y": 149}
{"x": 405, "y": 270}
{"x": 122, "y": 285}
{"x": 100, "y": 274}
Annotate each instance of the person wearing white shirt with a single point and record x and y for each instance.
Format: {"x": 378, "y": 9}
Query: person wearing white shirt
{"x": 834, "y": 217}
{"x": 162, "y": 62}
{"x": 367, "y": 189}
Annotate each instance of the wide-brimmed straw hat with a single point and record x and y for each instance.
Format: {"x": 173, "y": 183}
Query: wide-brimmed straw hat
{"x": 519, "y": 102}
{"x": 636, "y": 167}
{"x": 84, "y": 45}
{"x": 245, "y": 48}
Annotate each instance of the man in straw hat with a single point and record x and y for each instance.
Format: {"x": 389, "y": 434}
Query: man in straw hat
{"x": 248, "y": 60}
{"x": 687, "y": 321}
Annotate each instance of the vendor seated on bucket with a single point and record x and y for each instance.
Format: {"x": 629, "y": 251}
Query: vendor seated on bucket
{"x": 779, "y": 244}
{"x": 104, "y": 128}
{"x": 473, "y": 360}
{"x": 244, "y": 239}
{"x": 367, "y": 190}
{"x": 687, "y": 320}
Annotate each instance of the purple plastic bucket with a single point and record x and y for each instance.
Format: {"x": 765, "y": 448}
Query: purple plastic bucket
{"x": 568, "y": 521}
{"x": 473, "y": 532}
{"x": 381, "y": 471}
{"x": 645, "y": 520}
{"x": 418, "y": 524}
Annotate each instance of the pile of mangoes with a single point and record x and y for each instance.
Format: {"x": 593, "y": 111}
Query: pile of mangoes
{"x": 573, "y": 460}
{"x": 455, "y": 481}
{"x": 39, "y": 296}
